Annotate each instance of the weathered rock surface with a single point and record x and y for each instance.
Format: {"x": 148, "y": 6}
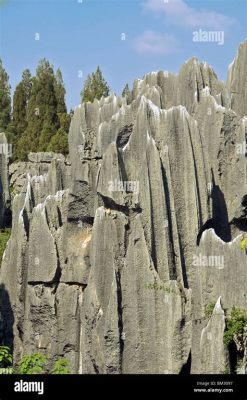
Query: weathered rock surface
{"x": 116, "y": 251}
{"x": 212, "y": 349}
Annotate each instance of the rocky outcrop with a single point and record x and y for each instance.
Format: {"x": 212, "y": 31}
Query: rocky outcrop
{"x": 116, "y": 251}
{"x": 212, "y": 349}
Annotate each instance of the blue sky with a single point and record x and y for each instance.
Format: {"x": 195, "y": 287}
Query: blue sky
{"x": 78, "y": 35}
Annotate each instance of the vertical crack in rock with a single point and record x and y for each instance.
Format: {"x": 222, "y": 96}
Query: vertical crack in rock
{"x": 120, "y": 318}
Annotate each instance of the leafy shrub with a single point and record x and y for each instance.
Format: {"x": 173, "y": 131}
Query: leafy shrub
{"x": 61, "y": 367}
{"x": 33, "y": 364}
{"x": 6, "y": 358}
{"x": 235, "y": 325}
{"x": 209, "y": 308}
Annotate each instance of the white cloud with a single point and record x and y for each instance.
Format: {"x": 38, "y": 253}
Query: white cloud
{"x": 178, "y": 12}
{"x": 151, "y": 42}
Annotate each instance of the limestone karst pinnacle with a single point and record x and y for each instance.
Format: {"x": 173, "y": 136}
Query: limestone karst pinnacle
{"x": 109, "y": 278}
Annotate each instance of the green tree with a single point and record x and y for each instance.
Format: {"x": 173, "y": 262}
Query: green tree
{"x": 64, "y": 121}
{"x": 126, "y": 91}
{"x": 95, "y": 87}
{"x": 20, "y": 101}
{"x": 40, "y": 115}
{"x": 19, "y": 110}
{"x": 60, "y": 93}
{"x": 5, "y": 99}
{"x": 27, "y": 82}
{"x": 42, "y": 118}
{"x": 59, "y": 142}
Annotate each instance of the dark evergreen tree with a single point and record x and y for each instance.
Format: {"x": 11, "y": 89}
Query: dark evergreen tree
{"x": 20, "y": 101}
{"x": 60, "y": 93}
{"x": 126, "y": 91}
{"x": 95, "y": 87}
{"x": 42, "y": 118}
{"x": 59, "y": 142}
{"x": 5, "y": 99}
{"x": 27, "y": 82}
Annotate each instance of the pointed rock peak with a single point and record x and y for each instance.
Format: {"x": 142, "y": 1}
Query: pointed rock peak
{"x": 137, "y": 84}
{"x": 192, "y": 61}
{"x": 231, "y": 64}
{"x": 243, "y": 45}
{"x": 217, "y": 307}
{"x": 240, "y": 57}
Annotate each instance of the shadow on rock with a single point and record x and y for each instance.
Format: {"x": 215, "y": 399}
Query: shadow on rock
{"x": 6, "y": 319}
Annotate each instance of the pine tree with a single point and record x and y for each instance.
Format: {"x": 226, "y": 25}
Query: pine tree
{"x": 39, "y": 112}
{"x": 127, "y": 94}
{"x": 27, "y": 82}
{"x": 5, "y": 99}
{"x": 20, "y": 101}
{"x": 60, "y": 93}
{"x": 42, "y": 118}
{"x": 126, "y": 91}
{"x": 95, "y": 87}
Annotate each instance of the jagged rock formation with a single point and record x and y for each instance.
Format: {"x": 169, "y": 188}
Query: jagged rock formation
{"x": 116, "y": 251}
{"x": 212, "y": 349}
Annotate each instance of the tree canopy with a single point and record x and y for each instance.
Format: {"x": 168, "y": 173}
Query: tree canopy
{"x": 40, "y": 116}
{"x": 5, "y": 99}
{"x": 95, "y": 87}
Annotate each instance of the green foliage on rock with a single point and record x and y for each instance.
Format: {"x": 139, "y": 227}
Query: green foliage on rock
{"x": 36, "y": 364}
{"x": 33, "y": 364}
{"x": 61, "y": 367}
{"x": 235, "y": 325}
{"x": 6, "y": 358}
{"x": 243, "y": 243}
{"x": 209, "y": 308}
{"x": 95, "y": 87}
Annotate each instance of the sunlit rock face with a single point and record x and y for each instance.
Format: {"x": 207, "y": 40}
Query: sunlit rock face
{"x": 117, "y": 250}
